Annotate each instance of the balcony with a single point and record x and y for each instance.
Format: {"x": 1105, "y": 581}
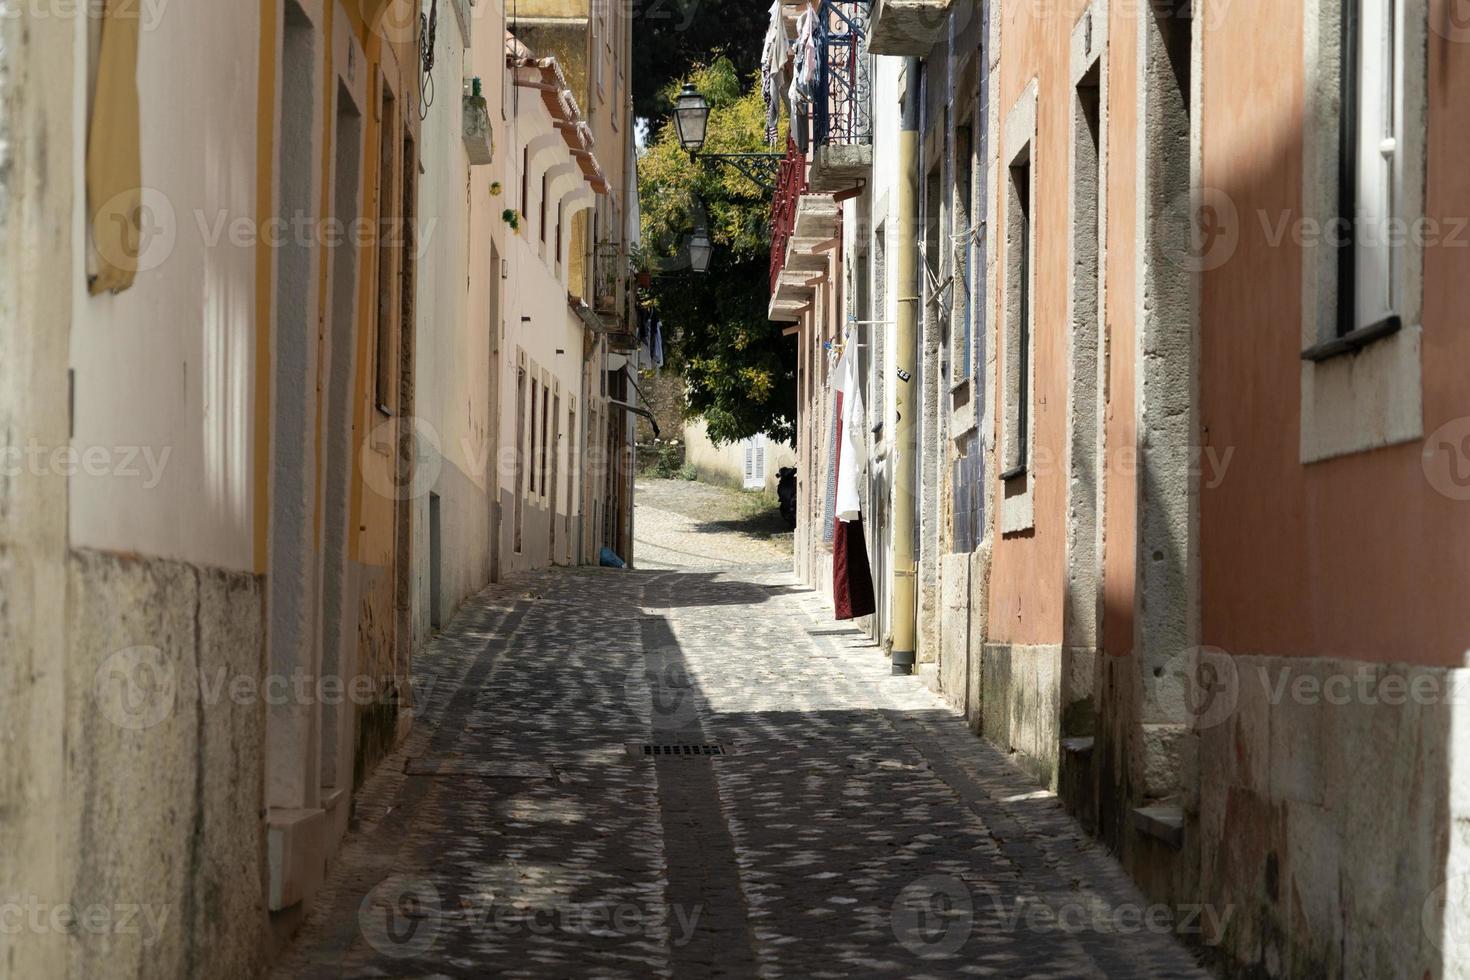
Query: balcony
{"x": 609, "y": 278}
{"x": 804, "y": 228}
{"x": 790, "y": 185}
{"x": 907, "y": 27}
{"x": 842, "y": 116}
{"x": 611, "y": 310}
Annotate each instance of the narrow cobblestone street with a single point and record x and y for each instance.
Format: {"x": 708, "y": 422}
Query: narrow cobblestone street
{"x": 851, "y": 826}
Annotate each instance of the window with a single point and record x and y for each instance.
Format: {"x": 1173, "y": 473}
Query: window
{"x": 597, "y": 71}
{"x": 878, "y": 395}
{"x": 544, "y": 189}
{"x": 387, "y": 235}
{"x": 1018, "y": 320}
{"x": 1368, "y": 164}
{"x": 1017, "y": 355}
{"x": 560, "y": 217}
{"x": 1087, "y": 204}
{"x": 555, "y": 483}
{"x": 525, "y": 180}
{"x": 573, "y": 498}
{"x": 1363, "y": 201}
{"x": 964, "y": 222}
{"x": 755, "y": 463}
{"x": 520, "y": 477}
{"x": 545, "y": 418}
{"x": 405, "y": 243}
{"x": 935, "y": 233}
{"x": 531, "y": 450}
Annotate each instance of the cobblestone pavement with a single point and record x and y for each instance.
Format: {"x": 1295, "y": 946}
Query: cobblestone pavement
{"x": 852, "y": 827}
{"x": 681, "y": 524}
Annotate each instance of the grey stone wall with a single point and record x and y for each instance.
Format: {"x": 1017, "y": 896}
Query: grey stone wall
{"x": 1020, "y": 709}
{"x": 665, "y": 393}
{"x": 164, "y": 764}
{"x": 1326, "y": 826}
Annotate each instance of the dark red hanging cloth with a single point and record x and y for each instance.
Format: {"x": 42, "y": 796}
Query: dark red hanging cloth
{"x": 852, "y": 576}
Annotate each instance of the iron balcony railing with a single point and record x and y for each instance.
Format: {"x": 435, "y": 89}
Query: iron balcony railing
{"x": 790, "y": 185}
{"x": 842, "y": 96}
{"x": 609, "y": 270}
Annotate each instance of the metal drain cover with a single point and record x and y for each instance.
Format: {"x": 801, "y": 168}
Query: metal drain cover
{"x": 679, "y": 750}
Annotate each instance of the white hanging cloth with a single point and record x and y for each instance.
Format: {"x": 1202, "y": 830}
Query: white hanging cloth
{"x": 854, "y": 424}
{"x": 774, "y": 55}
{"x": 804, "y": 50}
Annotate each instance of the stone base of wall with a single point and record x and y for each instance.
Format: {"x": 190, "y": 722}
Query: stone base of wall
{"x": 1320, "y": 826}
{"x": 964, "y": 620}
{"x": 822, "y": 570}
{"x": 954, "y": 631}
{"x": 165, "y": 767}
{"x": 1021, "y": 705}
{"x": 1327, "y": 826}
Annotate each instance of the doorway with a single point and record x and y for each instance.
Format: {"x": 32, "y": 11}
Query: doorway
{"x": 337, "y": 638}
{"x": 292, "y": 744}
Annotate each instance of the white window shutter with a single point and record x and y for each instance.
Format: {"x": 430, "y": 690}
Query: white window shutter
{"x": 1378, "y": 152}
{"x": 755, "y": 463}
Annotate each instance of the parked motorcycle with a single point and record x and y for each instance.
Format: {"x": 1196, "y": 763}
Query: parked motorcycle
{"x": 786, "y": 491}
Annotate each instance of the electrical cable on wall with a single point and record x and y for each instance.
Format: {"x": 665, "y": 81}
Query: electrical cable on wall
{"x": 428, "y": 37}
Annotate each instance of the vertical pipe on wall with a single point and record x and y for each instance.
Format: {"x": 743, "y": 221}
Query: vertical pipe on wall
{"x": 906, "y": 395}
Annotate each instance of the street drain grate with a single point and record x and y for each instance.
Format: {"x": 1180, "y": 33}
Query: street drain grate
{"x": 683, "y": 750}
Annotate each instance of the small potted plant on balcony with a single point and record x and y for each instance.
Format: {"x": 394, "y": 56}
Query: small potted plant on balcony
{"x": 511, "y": 217}
{"x": 641, "y": 263}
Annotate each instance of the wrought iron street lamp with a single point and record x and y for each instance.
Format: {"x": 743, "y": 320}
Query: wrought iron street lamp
{"x": 701, "y": 249}
{"x": 691, "y": 119}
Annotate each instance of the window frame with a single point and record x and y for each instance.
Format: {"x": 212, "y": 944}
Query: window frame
{"x": 387, "y": 257}
{"x": 1017, "y": 422}
{"x": 1361, "y": 378}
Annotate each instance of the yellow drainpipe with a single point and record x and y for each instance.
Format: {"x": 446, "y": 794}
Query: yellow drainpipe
{"x": 901, "y": 586}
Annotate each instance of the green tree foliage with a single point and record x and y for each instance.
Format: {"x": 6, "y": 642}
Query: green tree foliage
{"x": 672, "y": 37}
{"x": 740, "y": 370}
